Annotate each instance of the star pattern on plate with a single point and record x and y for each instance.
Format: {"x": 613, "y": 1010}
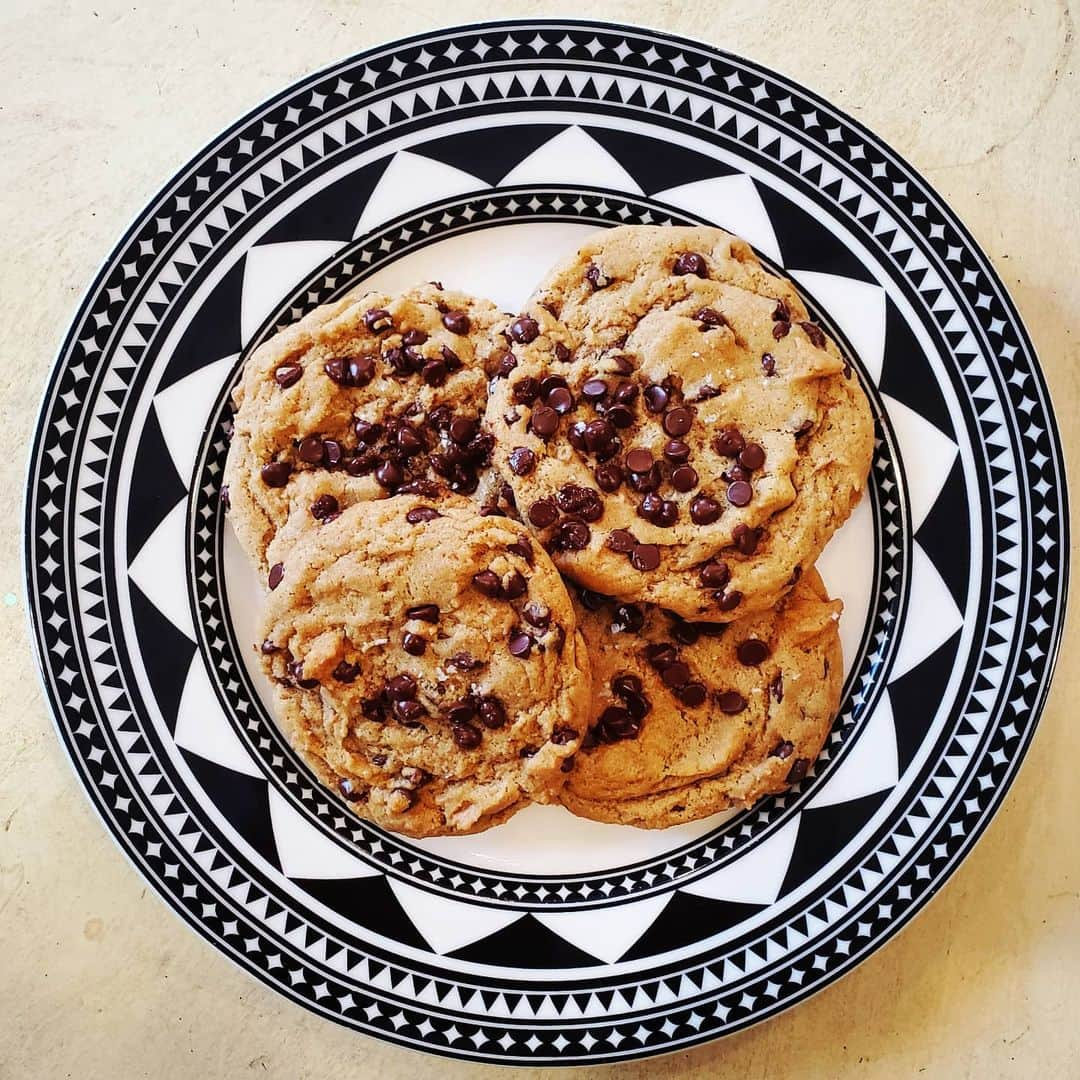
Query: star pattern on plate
{"x": 1010, "y": 474}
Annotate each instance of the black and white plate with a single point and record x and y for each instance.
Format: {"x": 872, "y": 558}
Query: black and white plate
{"x": 478, "y": 155}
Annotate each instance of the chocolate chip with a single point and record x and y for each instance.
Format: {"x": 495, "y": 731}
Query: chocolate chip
{"x": 457, "y": 322}
{"x": 667, "y": 515}
{"x": 592, "y": 601}
{"x": 563, "y": 734}
{"x": 462, "y": 429}
{"x": 408, "y": 441}
{"x": 352, "y": 790}
{"x": 520, "y": 645}
{"x": 692, "y": 694}
{"x": 690, "y": 262}
{"x": 561, "y": 400}
{"x": 675, "y": 674}
{"x": 487, "y": 582}
{"x": 736, "y": 472}
{"x": 684, "y": 478}
{"x": 703, "y": 509}
{"x": 536, "y": 615}
{"x": 523, "y": 548}
{"x": 522, "y": 461}
{"x": 412, "y": 338}
{"x": 608, "y": 476}
{"x": 798, "y": 770}
{"x": 768, "y": 363}
{"x": 623, "y": 364}
{"x": 377, "y": 320}
{"x": 544, "y": 421}
{"x": 450, "y": 358}
{"x": 616, "y": 723}
{"x": 659, "y": 654}
{"x": 276, "y": 474}
{"x": 746, "y": 539}
{"x": 731, "y": 702}
{"x": 814, "y": 333}
{"x": 715, "y": 574}
{"x": 505, "y": 362}
{"x": 624, "y": 684}
{"x": 401, "y": 688}
{"x": 397, "y": 359}
{"x": 423, "y": 612}
{"x": 461, "y": 712}
{"x": 596, "y": 277}
{"x": 413, "y": 644}
{"x": 598, "y": 434}
{"x": 646, "y": 481}
{"x": 366, "y": 432}
{"x": 345, "y": 672}
{"x": 421, "y": 513}
{"x": 676, "y": 451}
{"x": 574, "y": 499}
{"x": 645, "y": 557}
{"x": 730, "y": 600}
{"x": 373, "y": 709}
{"x": 543, "y": 514}
{"x": 526, "y": 390}
{"x": 625, "y": 394}
{"x": 492, "y": 713}
{"x": 752, "y": 456}
{"x": 466, "y": 736}
{"x": 707, "y": 393}
{"x": 567, "y": 764}
{"x": 752, "y": 652}
{"x": 409, "y": 713}
{"x": 739, "y": 493}
{"x": 622, "y": 416}
{"x": 572, "y": 536}
{"x": 650, "y": 506}
{"x": 310, "y": 450}
{"x": 434, "y": 372}
{"x": 639, "y": 461}
{"x": 594, "y": 390}
{"x": 324, "y": 507}
{"x": 332, "y": 453}
{"x": 781, "y": 330}
{"x": 678, "y": 421}
{"x": 729, "y": 441}
{"x": 287, "y": 374}
{"x": 514, "y": 586}
{"x": 783, "y": 749}
{"x": 523, "y": 330}
{"x": 464, "y": 661}
{"x": 389, "y": 474}
{"x": 268, "y": 648}
{"x": 428, "y": 488}
{"x": 350, "y": 370}
{"x": 709, "y": 318}
{"x": 277, "y": 572}
{"x": 621, "y": 541}
{"x": 626, "y": 618}
{"x": 656, "y": 398}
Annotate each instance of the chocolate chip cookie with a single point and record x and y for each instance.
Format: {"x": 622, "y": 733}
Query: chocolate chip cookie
{"x": 695, "y": 440}
{"x": 426, "y": 661}
{"x": 692, "y": 718}
{"x": 384, "y": 394}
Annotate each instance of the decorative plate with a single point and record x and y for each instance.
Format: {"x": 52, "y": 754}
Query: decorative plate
{"x": 478, "y": 155}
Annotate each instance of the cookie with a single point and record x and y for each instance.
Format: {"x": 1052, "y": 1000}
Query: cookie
{"x": 688, "y": 719}
{"x": 702, "y": 441}
{"x": 426, "y": 661}
{"x": 383, "y": 393}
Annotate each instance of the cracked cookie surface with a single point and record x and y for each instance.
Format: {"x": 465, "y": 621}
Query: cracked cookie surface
{"x": 372, "y": 394}
{"x": 695, "y": 439}
{"x": 426, "y": 661}
{"x": 688, "y": 719}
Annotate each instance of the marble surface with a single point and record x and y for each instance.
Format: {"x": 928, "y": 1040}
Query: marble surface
{"x": 99, "y": 103}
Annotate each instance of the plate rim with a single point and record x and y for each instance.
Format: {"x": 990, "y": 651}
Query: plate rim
{"x": 1057, "y": 457}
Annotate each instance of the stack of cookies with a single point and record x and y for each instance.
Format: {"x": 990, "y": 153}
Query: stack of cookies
{"x": 564, "y": 555}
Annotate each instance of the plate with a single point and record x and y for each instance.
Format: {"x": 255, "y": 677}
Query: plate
{"x": 478, "y": 155}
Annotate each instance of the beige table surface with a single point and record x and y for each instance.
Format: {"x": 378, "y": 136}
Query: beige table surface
{"x": 99, "y": 104}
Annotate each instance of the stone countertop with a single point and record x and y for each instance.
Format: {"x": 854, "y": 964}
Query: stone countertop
{"x": 99, "y": 103}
